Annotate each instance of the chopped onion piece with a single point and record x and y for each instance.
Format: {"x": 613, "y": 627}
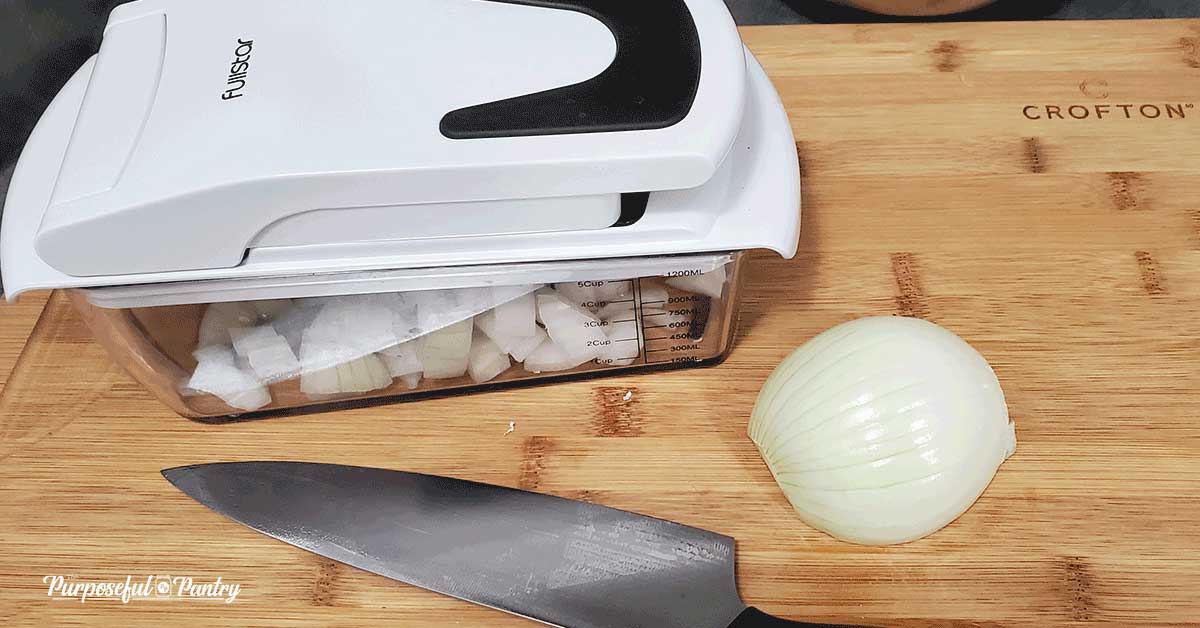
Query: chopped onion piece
{"x": 433, "y": 306}
{"x": 516, "y": 318}
{"x": 550, "y": 357}
{"x": 248, "y": 339}
{"x": 541, "y": 292}
{"x": 575, "y": 331}
{"x": 402, "y": 359}
{"x": 292, "y": 322}
{"x": 274, "y": 362}
{"x": 357, "y": 322}
{"x": 217, "y": 373}
{"x": 219, "y": 318}
{"x": 364, "y": 374}
{"x": 404, "y": 314}
{"x": 522, "y": 347}
{"x": 445, "y": 352}
{"x": 320, "y": 383}
{"x": 486, "y": 360}
{"x": 511, "y": 323}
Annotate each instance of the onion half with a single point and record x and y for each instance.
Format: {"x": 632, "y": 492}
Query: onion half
{"x": 883, "y": 430}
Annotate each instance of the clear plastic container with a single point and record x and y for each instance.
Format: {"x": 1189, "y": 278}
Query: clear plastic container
{"x": 400, "y": 335}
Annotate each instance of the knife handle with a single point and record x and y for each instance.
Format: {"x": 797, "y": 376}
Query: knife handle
{"x": 754, "y": 618}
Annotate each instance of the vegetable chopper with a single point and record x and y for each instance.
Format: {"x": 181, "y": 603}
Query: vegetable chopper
{"x": 431, "y": 163}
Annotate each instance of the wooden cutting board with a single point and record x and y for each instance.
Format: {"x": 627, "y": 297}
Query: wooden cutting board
{"x": 983, "y": 176}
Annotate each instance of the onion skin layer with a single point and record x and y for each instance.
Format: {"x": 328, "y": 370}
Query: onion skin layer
{"x": 882, "y": 430}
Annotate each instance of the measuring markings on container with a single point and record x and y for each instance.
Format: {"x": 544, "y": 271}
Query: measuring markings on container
{"x": 676, "y": 341}
{"x": 648, "y": 324}
{"x": 600, "y": 283}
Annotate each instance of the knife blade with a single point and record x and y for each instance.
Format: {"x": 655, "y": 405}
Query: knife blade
{"x": 558, "y": 561}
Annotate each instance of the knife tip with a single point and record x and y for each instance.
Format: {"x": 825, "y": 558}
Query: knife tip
{"x": 174, "y": 474}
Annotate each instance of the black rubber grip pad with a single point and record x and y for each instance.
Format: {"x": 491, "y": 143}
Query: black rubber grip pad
{"x": 651, "y": 83}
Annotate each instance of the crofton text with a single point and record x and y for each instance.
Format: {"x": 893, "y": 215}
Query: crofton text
{"x": 1149, "y": 111}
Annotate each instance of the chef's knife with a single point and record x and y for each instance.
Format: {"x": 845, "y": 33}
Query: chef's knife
{"x": 563, "y": 562}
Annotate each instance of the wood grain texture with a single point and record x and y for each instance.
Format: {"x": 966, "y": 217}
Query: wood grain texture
{"x": 16, "y": 323}
{"x": 1067, "y": 251}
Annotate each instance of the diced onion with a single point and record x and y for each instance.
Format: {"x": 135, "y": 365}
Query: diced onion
{"x": 218, "y": 373}
{"x": 364, "y": 374}
{"x": 445, "y": 352}
{"x": 219, "y": 318}
{"x": 411, "y": 381}
{"x": 402, "y": 359}
{"x": 577, "y": 332}
{"x": 550, "y": 357}
{"x": 338, "y": 345}
{"x": 486, "y": 360}
{"x": 522, "y": 347}
{"x": 513, "y": 326}
{"x": 514, "y": 319}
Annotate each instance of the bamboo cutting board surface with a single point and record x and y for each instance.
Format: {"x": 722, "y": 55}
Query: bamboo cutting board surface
{"x": 1067, "y": 250}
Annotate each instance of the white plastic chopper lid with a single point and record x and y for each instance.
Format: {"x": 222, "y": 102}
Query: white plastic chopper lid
{"x": 231, "y": 139}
